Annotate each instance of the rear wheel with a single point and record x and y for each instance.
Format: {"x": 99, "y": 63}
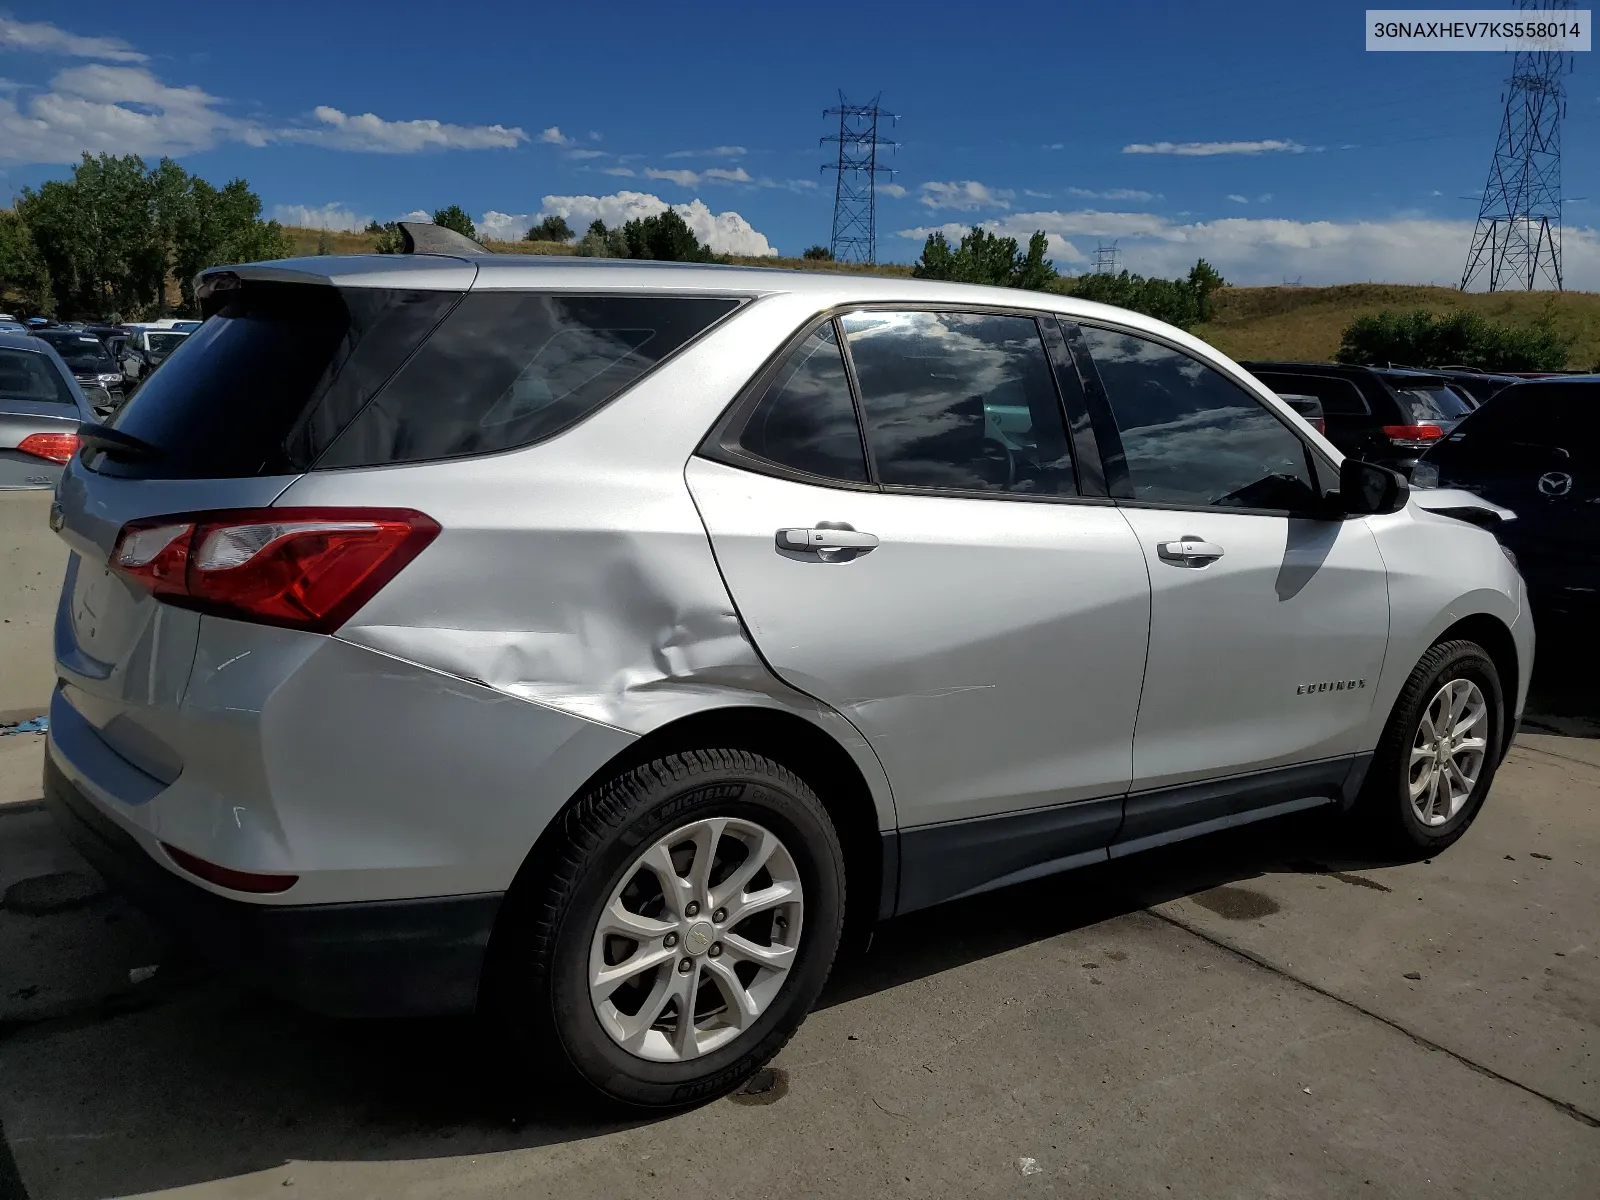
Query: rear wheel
{"x": 679, "y": 935}
{"x": 1439, "y": 752}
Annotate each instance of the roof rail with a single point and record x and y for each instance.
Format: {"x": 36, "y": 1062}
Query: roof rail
{"x": 424, "y": 237}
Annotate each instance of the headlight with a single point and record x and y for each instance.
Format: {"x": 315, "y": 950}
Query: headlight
{"x": 1425, "y": 475}
{"x": 114, "y": 377}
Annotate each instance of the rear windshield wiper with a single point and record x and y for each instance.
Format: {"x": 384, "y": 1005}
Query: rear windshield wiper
{"x": 116, "y": 443}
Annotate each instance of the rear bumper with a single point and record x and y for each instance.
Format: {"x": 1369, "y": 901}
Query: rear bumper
{"x": 384, "y": 958}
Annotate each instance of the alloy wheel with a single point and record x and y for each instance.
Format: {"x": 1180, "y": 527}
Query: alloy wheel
{"x": 697, "y": 939}
{"x": 1448, "y": 752}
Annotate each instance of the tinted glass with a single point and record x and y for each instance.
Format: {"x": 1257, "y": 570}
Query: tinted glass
{"x": 28, "y": 375}
{"x": 81, "y": 352}
{"x": 1430, "y": 404}
{"x": 1339, "y": 396}
{"x": 1535, "y": 414}
{"x": 959, "y": 400}
{"x": 166, "y": 343}
{"x": 508, "y": 369}
{"x": 806, "y": 420}
{"x": 265, "y": 386}
{"x": 1193, "y": 437}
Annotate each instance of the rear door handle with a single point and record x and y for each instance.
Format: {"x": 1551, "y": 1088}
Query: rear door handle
{"x": 1189, "y": 551}
{"x": 830, "y": 545}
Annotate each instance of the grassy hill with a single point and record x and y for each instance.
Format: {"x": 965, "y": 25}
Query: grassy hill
{"x": 1263, "y": 322}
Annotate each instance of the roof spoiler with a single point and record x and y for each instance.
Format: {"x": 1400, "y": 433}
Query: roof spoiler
{"x": 424, "y": 237}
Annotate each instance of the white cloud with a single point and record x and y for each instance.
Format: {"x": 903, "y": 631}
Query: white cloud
{"x": 1053, "y": 146}
{"x": 1264, "y": 197}
{"x": 1108, "y": 194}
{"x": 737, "y": 175}
{"x": 1207, "y": 149}
{"x": 1238, "y": 199}
{"x": 332, "y": 215}
{"x": 724, "y": 232}
{"x": 1042, "y": 195}
{"x": 554, "y": 137}
{"x": 964, "y": 196}
{"x": 686, "y": 179}
{"x": 1265, "y": 250}
{"x": 45, "y": 38}
{"x": 120, "y": 110}
{"x": 887, "y": 189}
{"x": 416, "y": 214}
{"x": 713, "y": 152}
{"x": 582, "y": 154}
{"x": 616, "y": 170}
{"x": 502, "y": 227}
{"x": 370, "y": 132}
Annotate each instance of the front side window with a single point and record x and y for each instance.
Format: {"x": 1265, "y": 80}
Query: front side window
{"x": 806, "y": 421}
{"x": 1193, "y": 437}
{"x": 959, "y": 401}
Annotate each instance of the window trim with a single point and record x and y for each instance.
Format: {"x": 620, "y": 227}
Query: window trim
{"x": 1322, "y": 469}
{"x": 721, "y": 444}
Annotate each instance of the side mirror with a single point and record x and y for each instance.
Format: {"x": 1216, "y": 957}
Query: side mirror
{"x": 1369, "y": 490}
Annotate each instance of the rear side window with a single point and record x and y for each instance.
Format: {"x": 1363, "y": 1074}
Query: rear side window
{"x": 31, "y": 377}
{"x": 1339, "y": 397}
{"x": 265, "y": 385}
{"x": 806, "y": 420}
{"x": 508, "y": 369}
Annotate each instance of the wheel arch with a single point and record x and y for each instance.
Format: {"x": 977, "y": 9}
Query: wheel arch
{"x": 1495, "y": 637}
{"x": 871, "y": 850}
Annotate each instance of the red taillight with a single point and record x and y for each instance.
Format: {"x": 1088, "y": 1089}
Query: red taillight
{"x": 1413, "y": 433}
{"x": 1319, "y": 424}
{"x": 57, "y": 447}
{"x": 228, "y": 877}
{"x": 304, "y": 568}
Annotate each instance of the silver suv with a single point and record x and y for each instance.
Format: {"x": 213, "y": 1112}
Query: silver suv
{"x": 589, "y": 643}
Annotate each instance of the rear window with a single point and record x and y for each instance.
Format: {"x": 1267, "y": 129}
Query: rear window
{"x": 268, "y": 383}
{"x": 1429, "y": 403}
{"x": 29, "y": 376}
{"x": 80, "y": 351}
{"x": 286, "y": 378}
{"x": 507, "y": 369}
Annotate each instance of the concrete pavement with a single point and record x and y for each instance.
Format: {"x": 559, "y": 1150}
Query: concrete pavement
{"x": 1230, "y": 1018}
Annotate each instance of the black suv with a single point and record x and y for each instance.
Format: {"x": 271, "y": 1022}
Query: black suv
{"x": 1378, "y": 414}
{"x": 1535, "y": 449}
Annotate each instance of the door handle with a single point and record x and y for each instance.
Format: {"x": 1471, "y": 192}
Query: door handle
{"x": 830, "y": 545}
{"x": 1189, "y": 551}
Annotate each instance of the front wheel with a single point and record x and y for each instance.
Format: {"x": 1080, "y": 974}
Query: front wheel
{"x": 686, "y": 927}
{"x": 1437, "y": 759}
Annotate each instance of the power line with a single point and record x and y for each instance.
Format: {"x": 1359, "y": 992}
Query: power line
{"x": 855, "y": 192}
{"x": 1518, "y": 235}
{"x": 1105, "y": 258}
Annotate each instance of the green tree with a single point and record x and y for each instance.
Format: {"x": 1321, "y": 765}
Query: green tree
{"x": 22, "y": 271}
{"x": 389, "y": 239}
{"x": 665, "y": 237}
{"x": 324, "y": 242}
{"x": 377, "y": 227}
{"x": 551, "y": 229}
{"x": 224, "y": 225}
{"x": 984, "y": 257}
{"x": 455, "y": 217}
{"x": 600, "y": 242}
{"x": 817, "y": 254}
{"x": 1203, "y": 281}
{"x": 1422, "y": 339}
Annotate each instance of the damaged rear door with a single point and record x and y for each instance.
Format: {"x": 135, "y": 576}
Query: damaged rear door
{"x": 950, "y": 591}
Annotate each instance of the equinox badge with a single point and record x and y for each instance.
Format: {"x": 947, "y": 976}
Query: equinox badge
{"x": 1335, "y": 685}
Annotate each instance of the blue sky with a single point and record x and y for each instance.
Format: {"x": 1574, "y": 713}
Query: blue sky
{"x": 1262, "y": 136}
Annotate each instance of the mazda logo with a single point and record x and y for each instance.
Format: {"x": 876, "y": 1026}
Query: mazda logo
{"x": 1555, "y": 483}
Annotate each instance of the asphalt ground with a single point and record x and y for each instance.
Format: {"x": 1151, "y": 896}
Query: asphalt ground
{"x": 1253, "y": 1014}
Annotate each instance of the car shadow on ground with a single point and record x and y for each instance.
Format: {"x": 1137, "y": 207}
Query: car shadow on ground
{"x": 212, "y": 1081}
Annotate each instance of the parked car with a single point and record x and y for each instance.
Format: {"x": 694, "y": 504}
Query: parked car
{"x": 91, "y": 365}
{"x": 1535, "y": 449}
{"x": 589, "y": 642}
{"x": 146, "y": 349}
{"x": 41, "y": 408}
{"x": 1380, "y": 415}
{"x": 1475, "y": 386}
{"x": 1309, "y": 408}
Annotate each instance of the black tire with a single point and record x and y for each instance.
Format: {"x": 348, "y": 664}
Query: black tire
{"x": 537, "y": 987}
{"x": 1384, "y": 811}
